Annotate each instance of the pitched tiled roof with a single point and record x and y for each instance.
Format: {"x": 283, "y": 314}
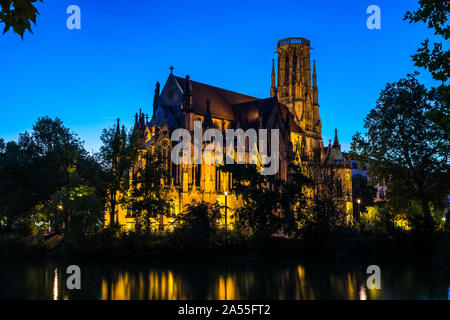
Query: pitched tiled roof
{"x": 248, "y": 113}
{"x": 221, "y": 100}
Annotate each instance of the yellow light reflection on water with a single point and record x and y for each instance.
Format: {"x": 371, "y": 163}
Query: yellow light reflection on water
{"x": 227, "y": 288}
{"x": 362, "y": 293}
{"x": 154, "y": 286}
{"x": 55, "y": 285}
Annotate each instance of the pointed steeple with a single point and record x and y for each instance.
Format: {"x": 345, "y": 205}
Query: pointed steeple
{"x": 315, "y": 90}
{"x": 273, "y": 88}
{"x": 336, "y": 140}
{"x": 136, "y": 123}
{"x": 208, "y": 119}
{"x": 141, "y": 119}
{"x": 118, "y": 126}
{"x": 156, "y": 98}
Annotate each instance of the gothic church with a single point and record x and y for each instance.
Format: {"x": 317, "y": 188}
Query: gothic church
{"x": 293, "y": 108}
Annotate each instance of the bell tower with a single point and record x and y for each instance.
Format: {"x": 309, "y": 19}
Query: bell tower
{"x": 296, "y": 86}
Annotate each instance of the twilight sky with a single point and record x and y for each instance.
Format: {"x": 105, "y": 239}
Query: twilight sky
{"x": 109, "y": 68}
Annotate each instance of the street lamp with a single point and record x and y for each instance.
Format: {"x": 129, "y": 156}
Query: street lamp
{"x": 359, "y": 211}
{"x": 226, "y": 207}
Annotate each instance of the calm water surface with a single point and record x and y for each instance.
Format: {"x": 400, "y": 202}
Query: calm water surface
{"x": 339, "y": 279}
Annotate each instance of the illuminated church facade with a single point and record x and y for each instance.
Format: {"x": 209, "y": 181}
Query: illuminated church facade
{"x": 292, "y": 108}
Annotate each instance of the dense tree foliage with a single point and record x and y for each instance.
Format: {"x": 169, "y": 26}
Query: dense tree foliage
{"x": 18, "y": 15}
{"x": 435, "y": 14}
{"x": 269, "y": 204}
{"x": 148, "y": 198}
{"x": 117, "y": 155}
{"x": 404, "y": 148}
{"x": 78, "y": 209}
{"x": 326, "y": 208}
{"x": 37, "y": 167}
{"x": 197, "y": 223}
{"x": 363, "y": 190}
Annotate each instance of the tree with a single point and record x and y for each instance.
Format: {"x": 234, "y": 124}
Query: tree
{"x": 403, "y": 149}
{"x": 18, "y": 14}
{"x": 435, "y": 13}
{"x": 269, "y": 204}
{"x": 19, "y": 186}
{"x": 197, "y": 223}
{"x": 364, "y": 191}
{"x": 117, "y": 155}
{"x": 147, "y": 198}
{"x": 38, "y": 165}
{"x": 326, "y": 209}
{"x": 77, "y": 208}
{"x": 293, "y": 198}
{"x": 260, "y": 211}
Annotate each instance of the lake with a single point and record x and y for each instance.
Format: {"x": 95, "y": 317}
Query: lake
{"x": 341, "y": 278}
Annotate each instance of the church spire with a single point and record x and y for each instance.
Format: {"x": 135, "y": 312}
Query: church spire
{"x": 315, "y": 90}
{"x": 273, "y": 88}
{"x": 336, "y": 140}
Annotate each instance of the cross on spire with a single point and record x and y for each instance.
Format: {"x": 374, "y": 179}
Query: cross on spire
{"x": 171, "y": 69}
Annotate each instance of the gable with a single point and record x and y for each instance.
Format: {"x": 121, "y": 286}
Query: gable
{"x": 171, "y": 94}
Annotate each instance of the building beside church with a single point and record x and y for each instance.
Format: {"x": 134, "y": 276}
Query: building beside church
{"x": 292, "y": 108}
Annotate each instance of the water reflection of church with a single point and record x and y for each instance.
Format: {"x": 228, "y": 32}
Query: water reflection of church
{"x": 293, "y": 108}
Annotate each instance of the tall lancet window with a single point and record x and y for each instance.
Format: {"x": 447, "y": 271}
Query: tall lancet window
{"x": 294, "y": 68}
{"x": 196, "y": 174}
{"x": 286, "y": 70}
{"x": 218, "y": 180}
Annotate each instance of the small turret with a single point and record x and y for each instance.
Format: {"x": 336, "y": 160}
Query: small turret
{"x": 336, "y": 143}
{"x": 118, "y": 127}
{"x": 136, "y": 123}
{"x": 273, "y": 88}
{"x": 315, "y": 90}
{"x": 156, "y": 98}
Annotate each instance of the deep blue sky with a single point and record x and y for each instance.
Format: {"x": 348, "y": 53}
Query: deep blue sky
{"x": 108, "y": 69}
